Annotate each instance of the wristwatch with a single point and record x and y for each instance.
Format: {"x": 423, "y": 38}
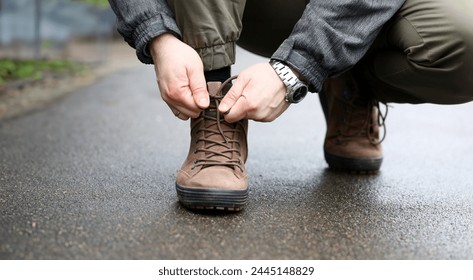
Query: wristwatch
{"x": 296, "y": 89}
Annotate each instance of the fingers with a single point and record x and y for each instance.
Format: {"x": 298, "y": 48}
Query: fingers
{"x": 257, "y": 94}
{"x": 198, "y": 87}
{"x": 238, "y": 111}
{"x": 181, "y": 110}
{"x": 243, "y": 109}
{"x": 235, "y": 92}
{"x": 181, "y": 99}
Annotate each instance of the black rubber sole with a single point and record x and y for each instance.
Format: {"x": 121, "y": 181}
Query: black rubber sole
{"x": 212, "y": 199}
{"x": 369, "y": 165}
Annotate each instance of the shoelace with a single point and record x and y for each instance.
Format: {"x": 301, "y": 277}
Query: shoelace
{"x": 381, "y": 123}
{"x": 226, "y": 144}
{"x": 366, "y": 127}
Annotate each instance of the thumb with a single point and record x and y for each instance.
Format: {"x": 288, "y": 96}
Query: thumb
{"x": 231, "y": 97}
{"x": 198, "y": 88}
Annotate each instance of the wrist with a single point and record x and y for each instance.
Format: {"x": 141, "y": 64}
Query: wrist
{"x": 160, "y": 42}
{"x": 296, "y": 89}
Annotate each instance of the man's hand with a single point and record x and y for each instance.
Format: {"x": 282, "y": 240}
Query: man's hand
{"x": 258, "y": 94}
{"x": 180, "y": 76}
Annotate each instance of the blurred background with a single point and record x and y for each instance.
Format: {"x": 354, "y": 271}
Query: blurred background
{"x": 55, "y": 29}
{"x": 44, "y": 43}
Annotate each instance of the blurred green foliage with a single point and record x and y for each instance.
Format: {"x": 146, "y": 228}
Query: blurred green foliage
{"x": 11, "y": 69}
{"x": 99, "y": 3}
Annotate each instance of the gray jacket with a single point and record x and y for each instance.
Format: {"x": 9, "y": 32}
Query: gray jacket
{"x": 331, "y": 36}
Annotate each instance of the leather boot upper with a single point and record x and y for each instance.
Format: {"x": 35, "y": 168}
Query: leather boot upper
{"x": 353, "y": 121}
{"x": 218, "y": 149}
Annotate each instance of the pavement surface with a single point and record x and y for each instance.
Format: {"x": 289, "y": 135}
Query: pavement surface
{"x": 92, "y": 177}
{"x": 102, "y": 58}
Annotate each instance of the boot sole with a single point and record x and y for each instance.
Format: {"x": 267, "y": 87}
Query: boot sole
{"x": 363, "y": 165}
{"x": 212, "y": 199}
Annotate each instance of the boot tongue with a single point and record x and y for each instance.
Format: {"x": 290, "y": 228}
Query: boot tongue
{"x": 213, "y": 88}
{"x": 215, "y": 94}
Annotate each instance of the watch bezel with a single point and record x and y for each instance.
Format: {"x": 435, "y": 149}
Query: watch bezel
{"x": 298, "y": 94}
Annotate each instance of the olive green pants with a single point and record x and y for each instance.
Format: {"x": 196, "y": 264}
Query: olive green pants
{"x": 423, "y": 55}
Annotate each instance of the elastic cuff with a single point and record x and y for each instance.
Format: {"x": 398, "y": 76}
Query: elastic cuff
{"x": 309, "y": 69}
{"x": 218, "y": 56}
{"x": 150, "y": 29}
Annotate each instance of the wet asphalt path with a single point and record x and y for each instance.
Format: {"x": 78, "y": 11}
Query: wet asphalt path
{"x": 92, "y": 177}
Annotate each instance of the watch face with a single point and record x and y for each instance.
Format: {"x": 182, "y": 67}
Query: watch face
{"x": 299, "y": 94}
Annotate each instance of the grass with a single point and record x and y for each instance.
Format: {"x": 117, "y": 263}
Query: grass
{"x": 11, "y": 70}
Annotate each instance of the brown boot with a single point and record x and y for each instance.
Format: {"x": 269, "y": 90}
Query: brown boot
{"x": 214, "y": 176}
{"x": 353, "y": 123}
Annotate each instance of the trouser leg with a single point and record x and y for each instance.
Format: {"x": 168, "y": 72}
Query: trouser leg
{"x": 424, "y": 54}
{"x": 211, "y": 27}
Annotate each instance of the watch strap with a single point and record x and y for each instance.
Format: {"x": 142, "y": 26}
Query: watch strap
{"x": 289, "y": 79}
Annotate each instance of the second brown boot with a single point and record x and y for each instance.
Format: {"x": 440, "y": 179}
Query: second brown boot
{"x": 352, "y": 142}
{"x": 213, "y": 176}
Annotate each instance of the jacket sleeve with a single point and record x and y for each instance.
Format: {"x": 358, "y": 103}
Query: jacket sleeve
{"x": 333, "y": 35}
{"x": 139, "y": 21}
